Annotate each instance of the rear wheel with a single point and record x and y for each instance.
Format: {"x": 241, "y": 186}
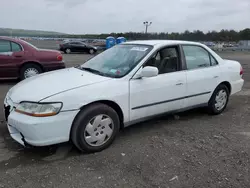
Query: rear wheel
{"x": 219, "y": 100}
{"x": 91, "y": 51}
{"x": 30, "y": 70}
{"x": 95, "y": 128}
{"x": 67, "y": 51}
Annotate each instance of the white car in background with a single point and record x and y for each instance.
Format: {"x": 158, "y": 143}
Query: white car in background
{"x": 123, "y": 85}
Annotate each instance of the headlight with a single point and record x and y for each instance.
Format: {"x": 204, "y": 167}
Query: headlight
{"x": 39, "y": 109}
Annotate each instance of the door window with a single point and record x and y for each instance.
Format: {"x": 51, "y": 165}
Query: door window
{"x": 75, "y": 43}
{"x": 196, "y": 57}
{"x": 166, "y": 60}
{"x": 15, "y": 47}
{"x": 82, "y": 44}
{"x": 4, "y": 46}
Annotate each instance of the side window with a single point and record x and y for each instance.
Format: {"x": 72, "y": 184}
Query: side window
{"x": 166, "y": 60}
{"x": 196, "y": 57}
{"x": 4, "y": 46}
{"x": 15, "y": 47}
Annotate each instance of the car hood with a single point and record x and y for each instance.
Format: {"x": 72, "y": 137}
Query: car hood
{"x": 51, "y": 83}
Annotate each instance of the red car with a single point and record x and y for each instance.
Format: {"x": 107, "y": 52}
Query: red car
{"x": 20, "y": 59}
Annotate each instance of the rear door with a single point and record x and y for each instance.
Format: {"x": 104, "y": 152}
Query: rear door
{"x": 73, "y": 46}
{"x": 6, "y": 65}
{"x": 82, "y": 47}
{"x": 11, "y": 55}
{"x": 203, "y": 74}
{"x": 18, "y": 57}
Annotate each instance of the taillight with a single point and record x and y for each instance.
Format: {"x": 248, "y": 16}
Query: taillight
{"x": 59, "y": 58}
{"x": 241, "y": 71}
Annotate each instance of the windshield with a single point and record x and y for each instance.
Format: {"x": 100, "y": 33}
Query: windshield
{"x": 117, "y": 61}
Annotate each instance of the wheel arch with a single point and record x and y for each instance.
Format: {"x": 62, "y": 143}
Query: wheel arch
{"x": 111, "y": 104}
{"x": 31, "y": 62}
{"x": 227, "y": 84}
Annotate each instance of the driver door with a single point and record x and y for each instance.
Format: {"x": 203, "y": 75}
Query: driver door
{"x": 162, "y": 93}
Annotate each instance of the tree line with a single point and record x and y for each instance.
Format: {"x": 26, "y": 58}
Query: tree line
{"x": 223, "y": 35}
{"x": 197, "y": 35}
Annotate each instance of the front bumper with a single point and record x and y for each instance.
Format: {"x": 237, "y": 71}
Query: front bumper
{"x": 40, "y": 131}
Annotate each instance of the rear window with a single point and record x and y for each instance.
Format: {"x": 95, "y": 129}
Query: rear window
{"x": 15, "y": 47}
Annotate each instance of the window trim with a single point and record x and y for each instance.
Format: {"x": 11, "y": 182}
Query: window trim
{"x": 21, "y": 47}
{"x": 180, "y": 58}
{"x": 209, "y": 54}
{"x": 178, "y": 54}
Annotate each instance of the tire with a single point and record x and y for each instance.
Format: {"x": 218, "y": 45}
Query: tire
{"x": 91, "y": 51}
{"x": 212, "y": 109}
{"x": 88, "y": 131}
{"x": 68, "y": 51}
{"x": 30, "y": 70}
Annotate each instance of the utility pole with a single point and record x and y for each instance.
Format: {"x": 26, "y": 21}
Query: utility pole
{"x": 147, "y": 24}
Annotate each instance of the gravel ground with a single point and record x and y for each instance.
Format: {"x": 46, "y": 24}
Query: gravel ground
{"x": 190, "y": 149}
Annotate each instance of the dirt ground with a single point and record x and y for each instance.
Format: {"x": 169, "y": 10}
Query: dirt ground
{"x": 190, "y": 149}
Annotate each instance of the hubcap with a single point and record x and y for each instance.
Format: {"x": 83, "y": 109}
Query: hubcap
{"x": 30, "y": 72}
{"x": 220, "y": 100}
{"x": 91, "y": 51}
{"x": 68, "y": 51}
{"x": 99, "y": 130}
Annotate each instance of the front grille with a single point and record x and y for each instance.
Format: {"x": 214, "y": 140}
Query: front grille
{"x": 6, "y": 112}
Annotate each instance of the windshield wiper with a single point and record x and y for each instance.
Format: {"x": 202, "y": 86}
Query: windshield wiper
{"x": 93, "y": 71}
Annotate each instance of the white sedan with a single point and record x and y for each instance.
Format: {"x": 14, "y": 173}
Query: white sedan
{"x": 124, "y": 85}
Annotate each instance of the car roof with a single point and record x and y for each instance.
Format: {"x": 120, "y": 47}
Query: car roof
{"x": 10, "y": 39}
{"x": 161, "y": 42}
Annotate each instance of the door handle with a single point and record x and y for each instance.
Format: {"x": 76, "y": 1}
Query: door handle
{"x": 216, "y": 76}
{"x": 18, "y": 56}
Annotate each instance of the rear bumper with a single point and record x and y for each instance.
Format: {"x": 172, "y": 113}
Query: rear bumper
{"x": 237, "y": 86}
{"x": 54, "y": 66}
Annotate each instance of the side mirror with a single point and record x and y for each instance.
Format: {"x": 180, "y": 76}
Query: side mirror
{"x": 149, "y": 71}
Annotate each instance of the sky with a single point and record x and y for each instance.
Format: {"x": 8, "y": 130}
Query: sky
{"x": 106, "y": 16}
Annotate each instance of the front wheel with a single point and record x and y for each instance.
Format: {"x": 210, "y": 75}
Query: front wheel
{"x": 219, "y": 100}
{"x": 95, "y": 128}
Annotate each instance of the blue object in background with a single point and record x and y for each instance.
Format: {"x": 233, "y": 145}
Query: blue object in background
{"x": 110, "y": 42}
{"x": 120, "y": 40}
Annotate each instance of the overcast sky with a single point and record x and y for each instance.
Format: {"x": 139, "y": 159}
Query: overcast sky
{"x": 105, "y": 16}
